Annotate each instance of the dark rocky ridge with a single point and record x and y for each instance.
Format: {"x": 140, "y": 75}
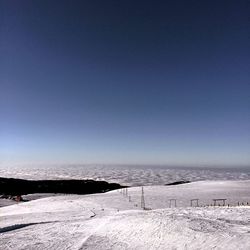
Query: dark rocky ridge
{"x": 177, "y": 183}
{"x": 10, "y": 186}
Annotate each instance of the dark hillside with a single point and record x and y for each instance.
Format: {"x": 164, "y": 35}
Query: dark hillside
{"x": 9, "y": 186}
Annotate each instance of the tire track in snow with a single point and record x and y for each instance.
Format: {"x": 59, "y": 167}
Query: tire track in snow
{"x": 103, "y": 223}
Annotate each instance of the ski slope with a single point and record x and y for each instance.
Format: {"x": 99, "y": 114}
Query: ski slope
{"x": 114, "y": 220}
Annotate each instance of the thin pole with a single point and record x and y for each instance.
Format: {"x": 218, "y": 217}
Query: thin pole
{"x": 142, "y": 198}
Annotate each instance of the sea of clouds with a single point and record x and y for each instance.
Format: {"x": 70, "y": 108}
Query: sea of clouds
{"x": 126, "y": 175}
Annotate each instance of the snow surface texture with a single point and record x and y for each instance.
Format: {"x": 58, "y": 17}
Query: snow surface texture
{"x": 124, "y": 175}
{"x": 114, "y": 220}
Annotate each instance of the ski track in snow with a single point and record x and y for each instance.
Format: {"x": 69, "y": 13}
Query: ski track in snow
{"x": 111, "y": 221}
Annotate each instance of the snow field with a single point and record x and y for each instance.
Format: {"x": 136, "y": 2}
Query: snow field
{"x": 111, "y": 221}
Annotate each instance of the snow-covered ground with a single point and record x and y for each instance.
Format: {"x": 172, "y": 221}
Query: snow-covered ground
{"x": 115, "y": 220}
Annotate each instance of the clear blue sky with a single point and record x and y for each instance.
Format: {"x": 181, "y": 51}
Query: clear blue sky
{"x": 157, "y": 82}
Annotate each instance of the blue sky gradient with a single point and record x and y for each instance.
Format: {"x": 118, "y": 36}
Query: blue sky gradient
{"x": 158, "y": 82}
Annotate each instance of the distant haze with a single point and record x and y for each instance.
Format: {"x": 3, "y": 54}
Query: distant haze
{"x": 128, "y": 82}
